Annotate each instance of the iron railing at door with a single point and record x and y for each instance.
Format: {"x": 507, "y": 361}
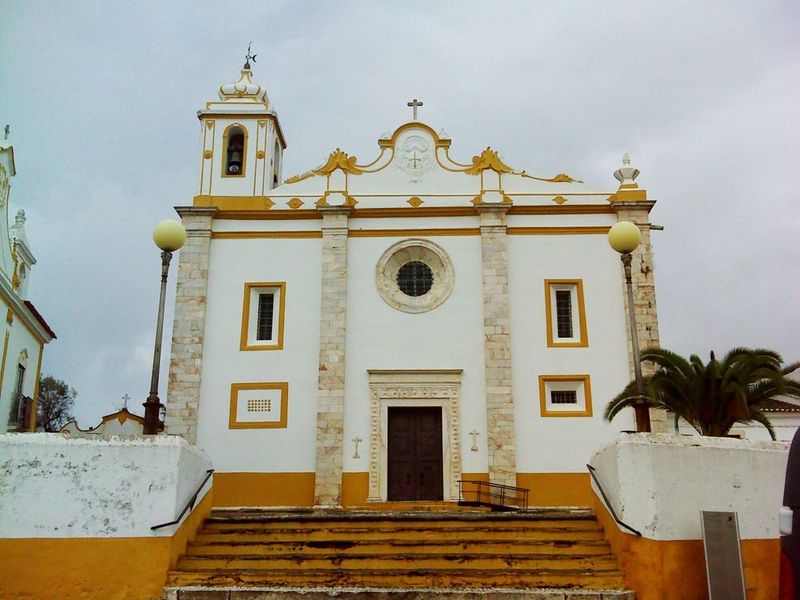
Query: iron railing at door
{"x": 494, "y": 495}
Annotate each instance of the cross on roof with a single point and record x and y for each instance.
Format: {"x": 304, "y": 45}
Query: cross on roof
{"x": 414, "y": 104}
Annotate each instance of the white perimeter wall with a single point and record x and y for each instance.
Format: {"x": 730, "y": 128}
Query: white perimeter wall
{"x": 659, "y": 483}
{"x": 565, "y": 444}
{"x": 59, "y": 487}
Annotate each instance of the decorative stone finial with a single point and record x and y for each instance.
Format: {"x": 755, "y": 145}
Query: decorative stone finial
{"x": 244, "y": 89}
{"x": 626, "y": 174}
{"x": 19, "y": 219}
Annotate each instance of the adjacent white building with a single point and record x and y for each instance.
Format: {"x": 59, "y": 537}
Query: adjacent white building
{"x": 24, "y": 330}
{"x": 378, "y": 329}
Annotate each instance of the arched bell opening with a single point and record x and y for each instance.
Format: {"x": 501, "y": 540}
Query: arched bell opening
{"x": 235, "y": 144}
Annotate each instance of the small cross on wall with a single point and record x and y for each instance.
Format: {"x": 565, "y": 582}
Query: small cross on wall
{"x": 474, "y": 433}
{"x": 414, "y": 104}
{"x": 356, "y": 440}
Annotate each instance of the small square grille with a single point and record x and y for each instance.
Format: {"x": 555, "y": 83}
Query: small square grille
{"x": 564, "y": 313}
{"x": 261, "y": 405}
{"x": 564, "y": 397}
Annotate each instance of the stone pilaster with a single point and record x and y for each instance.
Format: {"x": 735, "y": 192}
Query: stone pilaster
{"x": 644, "y": 290}
{"x": 497, "y": 345}
{"x": 186, "y": 357}
{"x": 330, "y": 387}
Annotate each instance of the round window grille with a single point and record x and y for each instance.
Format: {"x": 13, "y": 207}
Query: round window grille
{"x": 414, "y": 276}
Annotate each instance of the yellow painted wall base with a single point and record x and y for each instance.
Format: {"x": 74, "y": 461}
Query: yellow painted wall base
{"x": 557, "y": 489}
{"x": 263, "y": 489}
{"x": 84, "y": 568}
{"x": 675, "y": 569}
{"x": 355, "y": 489}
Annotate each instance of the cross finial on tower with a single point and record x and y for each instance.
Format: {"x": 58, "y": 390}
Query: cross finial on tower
{"x": 248, "y": 57}
{"x": 6, "y": 131}
{"x": 414, "y": 104}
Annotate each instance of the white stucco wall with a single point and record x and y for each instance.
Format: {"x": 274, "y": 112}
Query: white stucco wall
{"x": 19, "y": 340}
{"x": 784, "y": 424}
{"x": 565, "y": 444}
{"x": 447, "y": 337}
{"x": 60, "y": 487}
{"x": 659, "y": 483}
{"x": 232, "y": 263}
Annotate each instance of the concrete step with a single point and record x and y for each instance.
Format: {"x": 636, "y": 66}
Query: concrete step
{"x": 392, "y": 594}
{"x": 596, "y": 579}
{"x": 413, "y": 546}
{"x": 366, "y": 562}
{"x": 223, "y": 534}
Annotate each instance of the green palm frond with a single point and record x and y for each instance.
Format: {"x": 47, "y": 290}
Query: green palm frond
{"x": 712, "y": 396}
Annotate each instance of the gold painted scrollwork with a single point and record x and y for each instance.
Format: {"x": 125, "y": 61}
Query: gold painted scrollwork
{"x": 487, "y": 160}
{"x": 338, "y": 159}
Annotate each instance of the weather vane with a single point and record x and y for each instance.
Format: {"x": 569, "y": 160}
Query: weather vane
{"x": 249, "y": 57}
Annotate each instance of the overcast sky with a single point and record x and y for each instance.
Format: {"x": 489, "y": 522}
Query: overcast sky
{"x": 102, "y": 96}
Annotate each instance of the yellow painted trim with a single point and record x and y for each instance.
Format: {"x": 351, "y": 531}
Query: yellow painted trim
{"x": 245, "y": 335}
{"x": 583, "y": 340}
{"x": 243, "y": 203}
{"x": 355, "y": 489}
{"x": 369, "y": 233}
{"x": 3, "y": 365}
{"x": 557, "y": 489}
{"x": 260, "y": 215}
{"x": 562, "y": 209}
{"x": 252, "y": 235}
{"x": 587, "y": 396}
{"x": 438, "y": 141}
{"x": 224, "y": 165}
{"x": 264, "y": 489}
{"x": 134, "y": 568}
{"x": 675, "y": 569}
{"x": 245, "y": 117}
{"x": 267, "y": 385}
{"x": 584, "y": 230}
{"x": 35, "y": 408}
{"x": 39, "y": 338}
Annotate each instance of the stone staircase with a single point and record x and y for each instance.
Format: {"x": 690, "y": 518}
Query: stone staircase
{"x": 250, "y": 554}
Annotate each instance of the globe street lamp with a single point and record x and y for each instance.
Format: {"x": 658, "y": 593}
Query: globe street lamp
{"x": 624, "y": 237}
{"x": 169, "y": 235}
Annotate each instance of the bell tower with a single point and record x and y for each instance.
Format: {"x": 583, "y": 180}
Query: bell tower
{"x": 241, "y": 140}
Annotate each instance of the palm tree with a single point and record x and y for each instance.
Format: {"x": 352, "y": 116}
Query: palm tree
{"x": 712, "y": 397}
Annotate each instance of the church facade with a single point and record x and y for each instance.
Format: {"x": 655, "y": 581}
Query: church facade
{"x": 377, "y": 330}
{"x": 24, "y": 330}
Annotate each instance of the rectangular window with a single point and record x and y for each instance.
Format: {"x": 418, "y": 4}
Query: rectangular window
{"x": 266, "y": 304}
{"x": 263, "y": 315}
{"x": 565, "y": 313}
{"x": 565, "y": 396}
{"x": 17, "y": 404}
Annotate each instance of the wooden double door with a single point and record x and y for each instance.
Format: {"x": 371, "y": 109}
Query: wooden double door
{"x": 415, "y": 453}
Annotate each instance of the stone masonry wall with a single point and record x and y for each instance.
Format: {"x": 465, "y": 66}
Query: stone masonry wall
{"x": 497, "y": 346}
{"x": 330, "y": 388}
{"x": 186, "y": 359}
{"x": 644, "y": 293}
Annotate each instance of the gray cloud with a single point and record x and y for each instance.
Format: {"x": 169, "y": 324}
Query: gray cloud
{"x": 102, "y": 98}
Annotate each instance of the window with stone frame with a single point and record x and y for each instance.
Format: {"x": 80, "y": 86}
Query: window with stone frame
{"x": 263, "y": 316}
{"x": 565, "y": 313}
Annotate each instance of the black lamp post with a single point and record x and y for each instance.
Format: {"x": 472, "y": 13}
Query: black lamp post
{"x": 169, "y": 235}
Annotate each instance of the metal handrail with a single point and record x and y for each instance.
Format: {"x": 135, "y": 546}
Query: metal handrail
{"x": 189, "y": 505}
{"x": 496, "y": 495}
{"x": 621, "y": 523}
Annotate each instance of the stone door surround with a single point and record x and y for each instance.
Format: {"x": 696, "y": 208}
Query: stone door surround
{"x": 414, "y": 387}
